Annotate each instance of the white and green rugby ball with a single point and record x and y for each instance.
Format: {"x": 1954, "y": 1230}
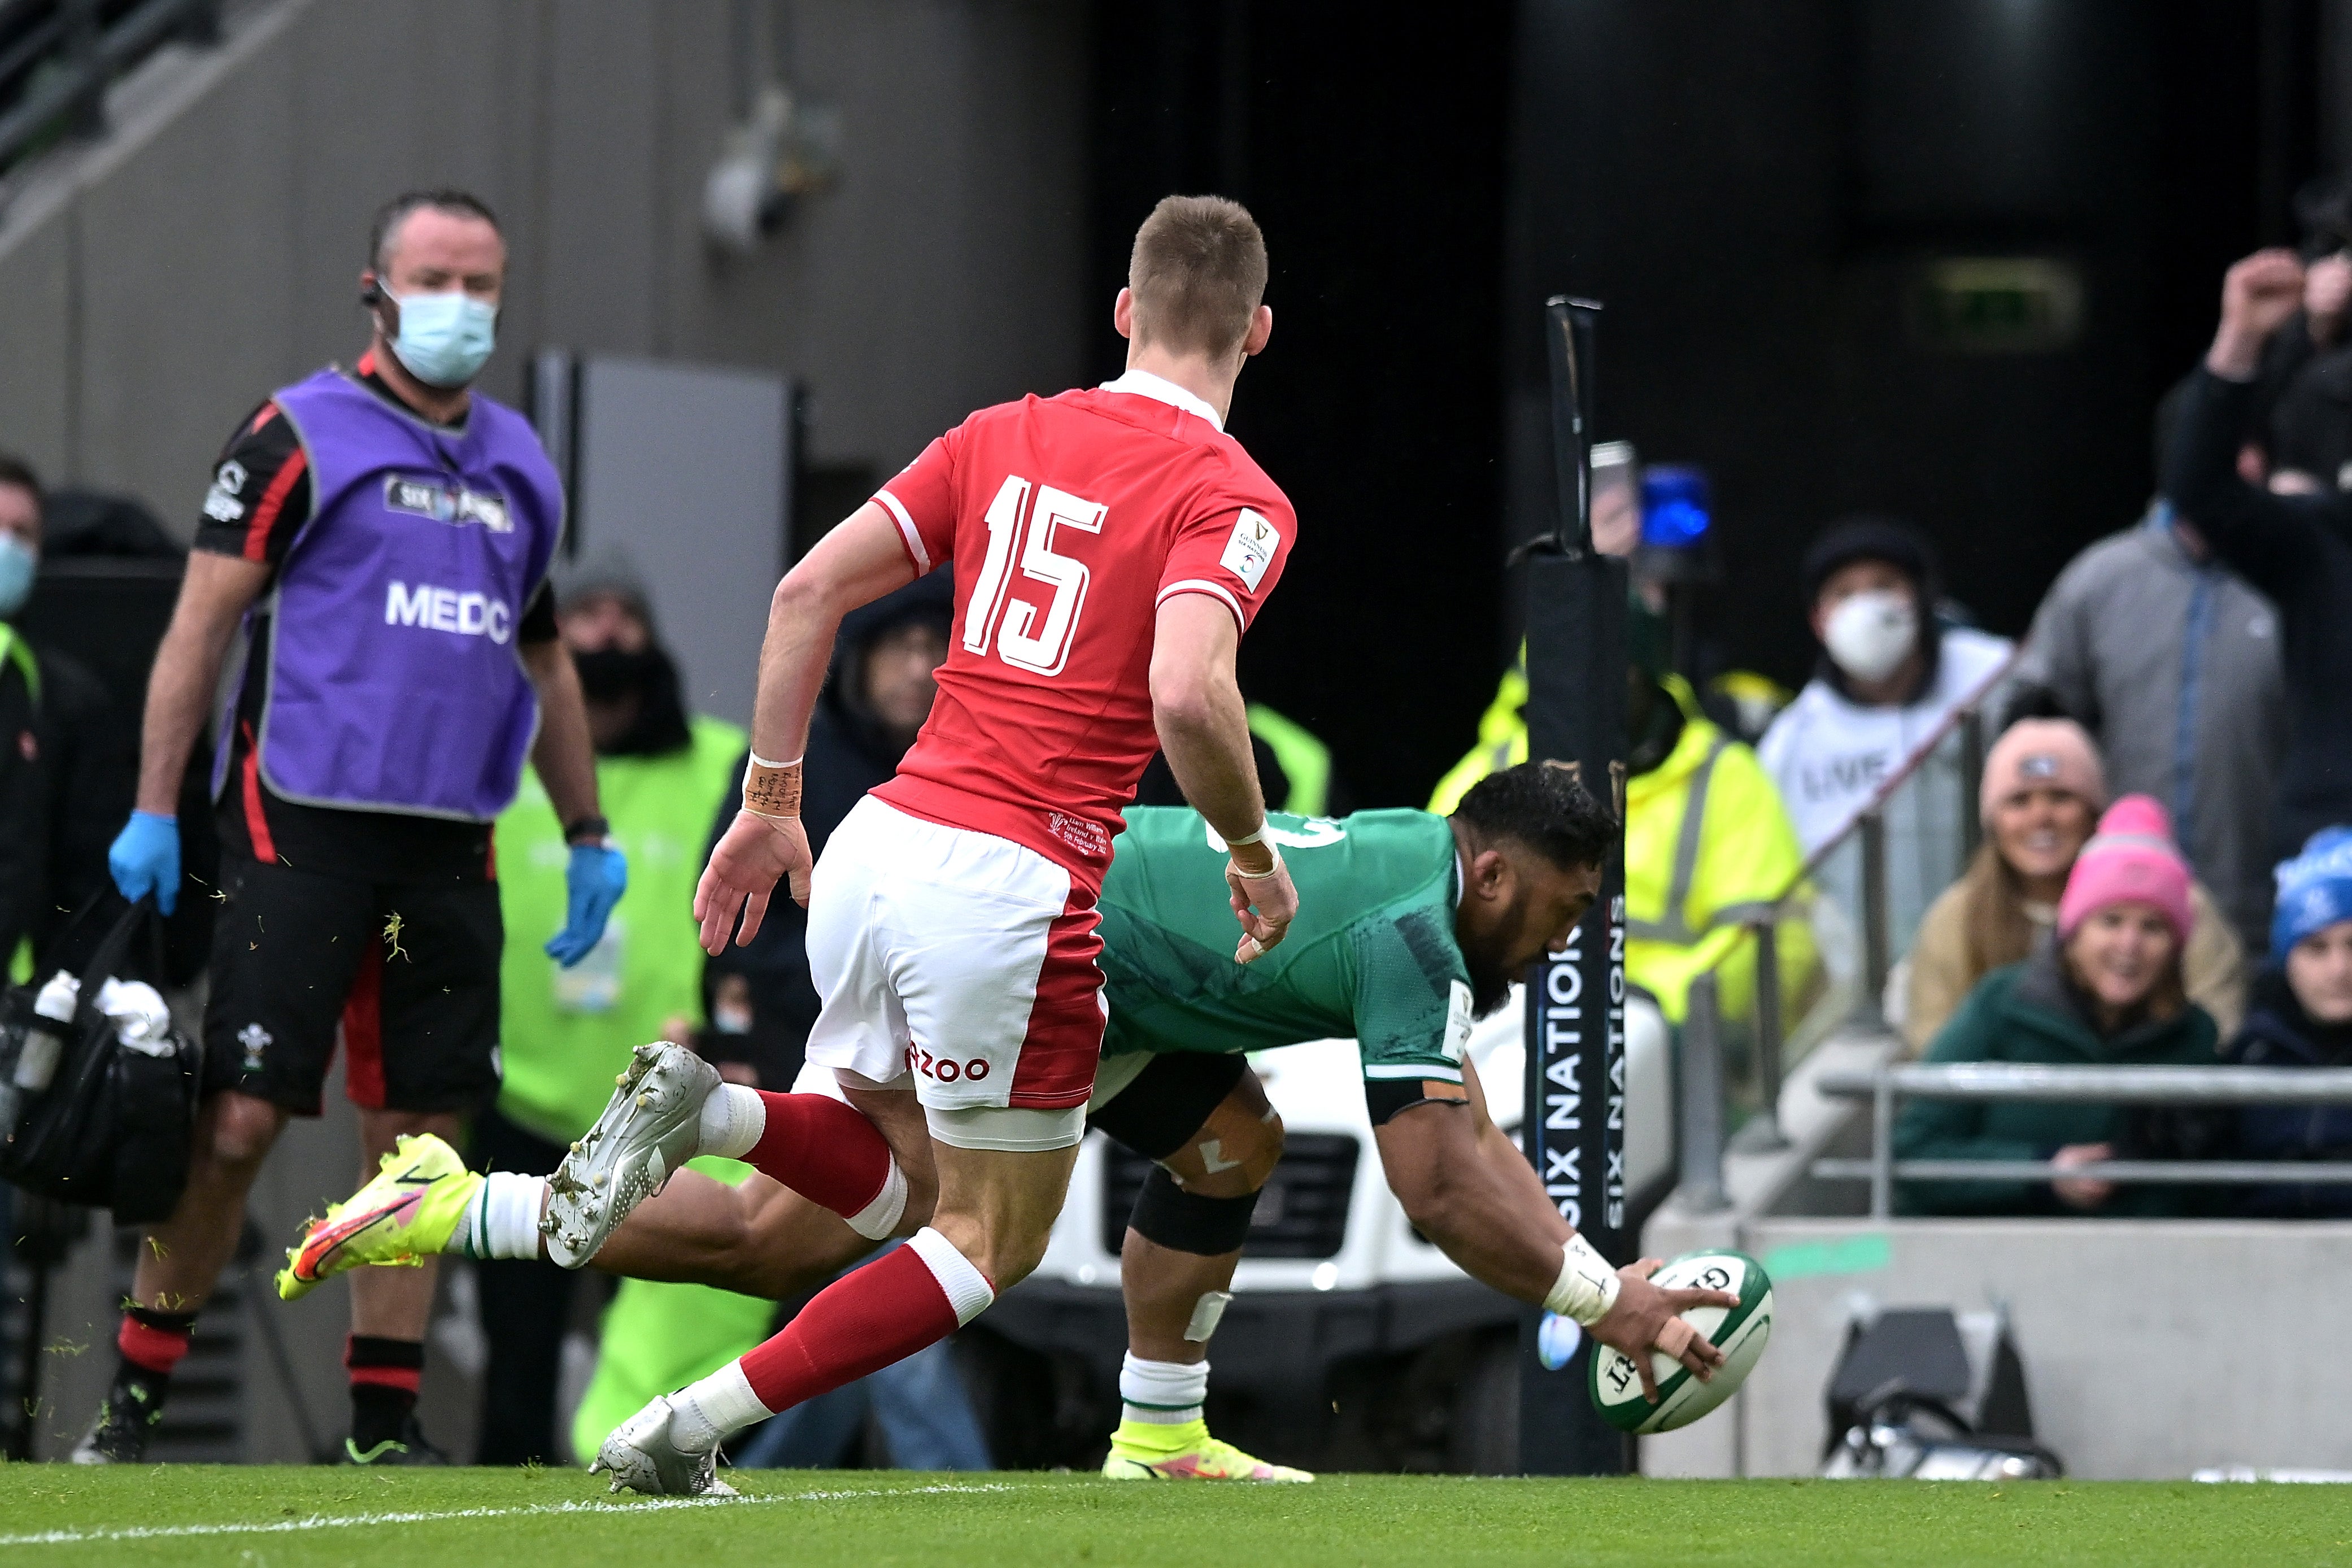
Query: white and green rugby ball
{"x": 1739, "y": 1332}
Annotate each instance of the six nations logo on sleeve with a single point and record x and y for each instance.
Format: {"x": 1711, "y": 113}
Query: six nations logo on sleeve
{"x": 1251, "y": 549}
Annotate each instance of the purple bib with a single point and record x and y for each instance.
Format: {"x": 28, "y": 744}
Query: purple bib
{"x": 393, "y": 678}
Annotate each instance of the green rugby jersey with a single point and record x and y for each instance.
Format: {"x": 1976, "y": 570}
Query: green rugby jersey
{"x": 1372, "y": 955}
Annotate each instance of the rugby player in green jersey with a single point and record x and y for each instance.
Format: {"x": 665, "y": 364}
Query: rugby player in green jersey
{"x": 1411, "y": 927}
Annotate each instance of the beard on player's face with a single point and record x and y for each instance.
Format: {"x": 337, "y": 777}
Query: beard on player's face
{"x": 1491, "y": 956}
{"x": 1490, "y": 983}
{"x": 1498, "y": 950}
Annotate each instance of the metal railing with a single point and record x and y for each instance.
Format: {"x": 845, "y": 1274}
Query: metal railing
{"x": 2165, "y": 1086}
{"x": 57, "y": 57}
{"x": 1702, "y": 1128}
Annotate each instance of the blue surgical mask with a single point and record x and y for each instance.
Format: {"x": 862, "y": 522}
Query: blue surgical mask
{"x": 18, "y": 562}
{"x": 444, "y": 339}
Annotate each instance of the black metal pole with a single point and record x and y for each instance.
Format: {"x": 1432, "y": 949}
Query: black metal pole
{"x": 1574, "y": 1130}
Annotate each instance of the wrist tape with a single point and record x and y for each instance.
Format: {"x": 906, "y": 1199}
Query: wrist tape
{"x": 773, "y": 790}
{"x": 1587, "y": 1287}
{"x": 1238, "y": 870}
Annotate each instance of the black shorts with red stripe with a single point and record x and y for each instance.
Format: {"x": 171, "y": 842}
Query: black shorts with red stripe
{"x": 407, "y": 970}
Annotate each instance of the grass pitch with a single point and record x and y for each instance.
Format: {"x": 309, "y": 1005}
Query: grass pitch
{"x": 286, "y": 1518}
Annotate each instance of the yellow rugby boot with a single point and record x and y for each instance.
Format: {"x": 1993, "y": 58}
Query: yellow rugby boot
{"x": 1147, "y": 1451}
{"x": 407, "y": 1213}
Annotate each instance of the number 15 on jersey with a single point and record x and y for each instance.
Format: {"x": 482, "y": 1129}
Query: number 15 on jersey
{"x": 1025, "y": 637}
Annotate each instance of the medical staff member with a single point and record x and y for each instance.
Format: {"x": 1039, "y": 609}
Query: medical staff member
{"x": 381, "y": 537}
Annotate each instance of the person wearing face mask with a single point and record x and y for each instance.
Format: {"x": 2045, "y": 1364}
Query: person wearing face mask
{"x": 2104, "y": 988}
{"x": 566, "y": 1033}
{"x": 2042, "y": 791}
{"x": 380, "y": 536}
{"x": 64, "y": 770}
{"x": 1890, "y": 674}
{"x": 2302, "y": 1017}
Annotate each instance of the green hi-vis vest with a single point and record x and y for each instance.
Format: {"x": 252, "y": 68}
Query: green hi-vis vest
{"x": 565, "y": 1032}
{"x": 15, "y": 650}
{"x": 1306, "y": 761}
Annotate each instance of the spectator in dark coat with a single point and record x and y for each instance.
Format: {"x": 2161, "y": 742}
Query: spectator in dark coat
{"x": 2302, "y": 1017}
{"x": 65, "y": 773}
{"x": 2297, "y": 549}
{"x": 876, "y": 696}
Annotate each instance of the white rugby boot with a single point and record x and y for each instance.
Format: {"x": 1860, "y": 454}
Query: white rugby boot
{"x": 643, "y": 1455}
{"x": 651, "y": 1127}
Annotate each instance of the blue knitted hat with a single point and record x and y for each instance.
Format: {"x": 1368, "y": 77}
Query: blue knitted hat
{"x": 2314, "y": 888}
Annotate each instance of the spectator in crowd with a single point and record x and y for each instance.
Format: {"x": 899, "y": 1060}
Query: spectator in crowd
{"x": 2302, "y": 433}
{"x": 2109, "y": 989}
{"x": 66, "y": 773}
{"x": 1890, "y": 674}
{"x": 1706, "y": 839}
{"x": 658, "y": 1336}
{"x": 2044, "y": 789}
{"x": 2302, "y": 1017}
{"x": 565, "y": 1032}
{"x": 875, "y": 699}
{"x": 2171, "y": 661}
{"x": 2295, "y": 549}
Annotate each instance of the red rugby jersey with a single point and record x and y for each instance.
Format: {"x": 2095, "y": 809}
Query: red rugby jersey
{"x": 1070, "y": 521}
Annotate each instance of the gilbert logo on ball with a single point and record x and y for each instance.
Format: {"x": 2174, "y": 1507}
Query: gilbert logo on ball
{"x": 1739, "y": 1331}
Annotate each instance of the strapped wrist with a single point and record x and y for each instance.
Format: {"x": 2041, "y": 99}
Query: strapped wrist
{"x": 1274, "y": 865}
{"x": 1587, "y": 1287}
{"x": 773, "y": 790}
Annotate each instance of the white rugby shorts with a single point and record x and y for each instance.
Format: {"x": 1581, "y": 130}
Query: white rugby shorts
{"x": 965, "y": 961}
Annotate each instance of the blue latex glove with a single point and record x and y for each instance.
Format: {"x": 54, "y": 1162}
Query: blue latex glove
{"x": 145, "y": 858}
{"x": 593, "y": 883}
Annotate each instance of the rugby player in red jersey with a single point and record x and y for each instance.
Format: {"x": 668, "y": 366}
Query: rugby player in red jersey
{"x": 1110, "y": 546}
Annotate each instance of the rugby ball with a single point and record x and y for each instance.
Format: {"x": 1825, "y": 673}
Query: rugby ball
{"x": 1739, "y": 1332}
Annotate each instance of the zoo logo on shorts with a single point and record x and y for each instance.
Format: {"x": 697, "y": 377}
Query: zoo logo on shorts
{"x": 946, "y": 1069}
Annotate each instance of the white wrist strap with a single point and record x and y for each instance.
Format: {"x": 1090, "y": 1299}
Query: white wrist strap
{"x": 760, "y": 762}
{"x": 1248, "y": 876}
{"x": 1258, "y": 838}
{"x": 1587, "y": 1287}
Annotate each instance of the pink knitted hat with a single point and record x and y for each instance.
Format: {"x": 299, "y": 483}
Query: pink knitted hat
{"x": 2042, "y": 754}
{"x": 2131, "y": 859}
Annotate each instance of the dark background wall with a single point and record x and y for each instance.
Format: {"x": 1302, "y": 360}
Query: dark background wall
{"x": 1758, "y": 194}
{"x": 1374, "y": 160}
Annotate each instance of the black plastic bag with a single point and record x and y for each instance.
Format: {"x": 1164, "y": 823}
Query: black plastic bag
{"x": 114, "y": 1127}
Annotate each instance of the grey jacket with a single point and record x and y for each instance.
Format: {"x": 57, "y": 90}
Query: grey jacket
{"x": 2173, "y": 668}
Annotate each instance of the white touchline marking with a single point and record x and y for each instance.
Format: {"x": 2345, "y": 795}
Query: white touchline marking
{"x": 347, "y": 1521}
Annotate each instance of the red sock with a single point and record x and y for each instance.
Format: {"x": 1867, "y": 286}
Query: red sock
{"x": 385, "y": 1363}
{"x": 155, "y": 1342}
{"x": 823, "y": 1149}
{"x": 860, "y": 1323}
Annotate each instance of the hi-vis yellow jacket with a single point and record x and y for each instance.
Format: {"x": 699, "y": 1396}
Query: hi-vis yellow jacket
{"x": 1706, "y": 842}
